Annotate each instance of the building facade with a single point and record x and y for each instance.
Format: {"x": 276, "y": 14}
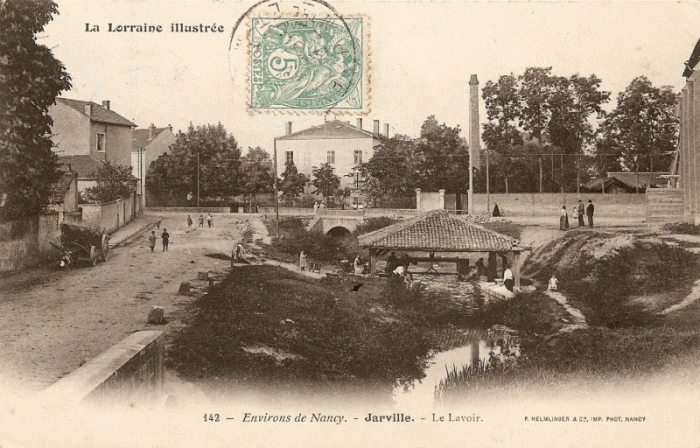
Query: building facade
{"x": 87, "y": 134}
{"x": 343, "y": 146}
{"x": 689, "y": 141}
{"x": 148, "y": 144}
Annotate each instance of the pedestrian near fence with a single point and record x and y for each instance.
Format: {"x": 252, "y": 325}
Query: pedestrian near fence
{"x": 589, "y": 213}
{"x": 580, "y": 211}
{"x": 563, "y": 219}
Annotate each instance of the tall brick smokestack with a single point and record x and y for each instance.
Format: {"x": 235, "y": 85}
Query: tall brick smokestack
{"x": 386, "y": 129}
{"x": 474, "y": 133}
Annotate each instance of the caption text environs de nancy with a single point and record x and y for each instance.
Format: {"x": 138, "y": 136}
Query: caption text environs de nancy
{"x": 150, "y": 28}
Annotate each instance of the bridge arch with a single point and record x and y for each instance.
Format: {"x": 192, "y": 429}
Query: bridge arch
{"x": 338, "y": 232}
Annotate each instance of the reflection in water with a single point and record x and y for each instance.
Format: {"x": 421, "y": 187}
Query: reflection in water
{"x": 495, "y": 347}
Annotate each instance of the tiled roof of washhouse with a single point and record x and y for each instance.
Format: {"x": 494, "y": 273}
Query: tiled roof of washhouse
{"x": 438, "y": 231}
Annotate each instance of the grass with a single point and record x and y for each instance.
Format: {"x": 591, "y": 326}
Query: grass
{"x": 328, "y": 334}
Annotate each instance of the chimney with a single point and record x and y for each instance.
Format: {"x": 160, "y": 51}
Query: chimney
{"x": 359, "y": 123}
{"x": 376, "y": 126}
{"x": 88, "y": 109}
{"x": 289, "y": 128}
{"x": 151, "y": 131}
{"x": 474, "y": 132}
{"x": 70, "y": 168}
{"x": 105, "y": 104}
{"x": 386, "y": 127}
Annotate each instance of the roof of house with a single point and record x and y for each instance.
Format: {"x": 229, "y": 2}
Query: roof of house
{"x": 97, "y": 112}
{"x": 335, "y": 129}
{"x": 627, "y": 180}
{"x": 141, "y": 139}
{"x": 57, "y": 192}
{"x": 438, "y": 231}
{"x": 596, "y": 184}
{"x": 644, "y": 178}
{"x": 86, "y": 166}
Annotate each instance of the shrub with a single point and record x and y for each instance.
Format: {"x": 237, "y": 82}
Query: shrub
{"x": 372, "y": 224}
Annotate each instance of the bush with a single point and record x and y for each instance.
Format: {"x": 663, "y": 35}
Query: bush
{"x": 372, "y": 224}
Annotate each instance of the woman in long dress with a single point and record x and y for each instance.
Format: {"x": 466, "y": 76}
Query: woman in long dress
{"x": 563, "y": 219}
{"x": 302, "y": 261}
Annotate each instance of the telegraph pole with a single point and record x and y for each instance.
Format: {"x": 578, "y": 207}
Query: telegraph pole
{"x": 277, "y": 204}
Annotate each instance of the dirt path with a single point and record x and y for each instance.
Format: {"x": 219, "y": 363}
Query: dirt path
{"x": 51, "y": 320}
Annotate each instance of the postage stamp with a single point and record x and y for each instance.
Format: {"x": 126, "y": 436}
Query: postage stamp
{"x": 306, "y": 64}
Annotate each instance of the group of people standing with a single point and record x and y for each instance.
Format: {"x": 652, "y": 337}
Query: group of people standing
{"x": 579, "y": 209}
{"x": 152, "y": 239}
{"x": 319, "y": 206}
{"x": 210, "y": 221}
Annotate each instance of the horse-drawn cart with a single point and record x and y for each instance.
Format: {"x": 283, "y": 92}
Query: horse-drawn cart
{"x": 82, "y": 244}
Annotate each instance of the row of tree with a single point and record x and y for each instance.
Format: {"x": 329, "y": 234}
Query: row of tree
{"x": 544, "y": 133}
{"x": 210, "y": 157}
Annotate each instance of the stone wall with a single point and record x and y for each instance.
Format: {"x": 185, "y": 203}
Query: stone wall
{"x": 130, "y": 370}
{"x": 549, "y": 204}
{"x": 27, "y": 242}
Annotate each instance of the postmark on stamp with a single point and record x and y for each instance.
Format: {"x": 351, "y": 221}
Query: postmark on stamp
{"x": 301, "y": 57}
{"x": 306, "y": 63}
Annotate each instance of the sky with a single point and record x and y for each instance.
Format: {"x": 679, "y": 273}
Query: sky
{"x": 420, "y": 56}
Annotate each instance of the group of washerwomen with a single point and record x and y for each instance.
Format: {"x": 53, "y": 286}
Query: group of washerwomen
{"x": 579, "y": 209}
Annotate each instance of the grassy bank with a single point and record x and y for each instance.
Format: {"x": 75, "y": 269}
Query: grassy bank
{"x": 620, "y": 291}
{"x": 275, "y": 329}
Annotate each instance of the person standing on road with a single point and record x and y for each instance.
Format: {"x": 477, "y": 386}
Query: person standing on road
{"x": 152, "y": 240}
{"x": 563, "y": 219}
{"x": 189, "y": 221}
{"x": 166, "y": 239}
{"x": 580, "y": 209}
{"x": 201, "y": 221}
{"x": 589, "y": 213}
{"x": 210, "y": 220}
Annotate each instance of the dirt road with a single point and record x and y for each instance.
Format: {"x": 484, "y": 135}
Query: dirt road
{"x": 51, "y": 319}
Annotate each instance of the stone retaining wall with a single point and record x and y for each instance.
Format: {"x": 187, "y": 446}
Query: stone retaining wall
{"x": 130, "y": 370}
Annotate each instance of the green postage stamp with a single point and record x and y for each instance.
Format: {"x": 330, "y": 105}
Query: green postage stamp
{"x": 307, "y": 64}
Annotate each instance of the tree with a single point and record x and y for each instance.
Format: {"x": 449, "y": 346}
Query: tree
{"x": 325, "y": 180}
{"x": 640, "y": 130}
{"x": 293, "y": 182}
{"x": 255, "y": 172}
{"x": 555, "y": 111}
{"x": 113, "y": 182}
{"x": 443, "y": 159}
{"x": 208, "y": 151}
{"x": 392, "y": 170}
{"x": 30, "y": 80}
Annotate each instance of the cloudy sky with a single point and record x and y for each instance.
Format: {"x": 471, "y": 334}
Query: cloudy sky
{"x": 421, "y": 56}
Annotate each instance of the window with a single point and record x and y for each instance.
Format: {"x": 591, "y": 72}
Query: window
{"x": 290, "y": 156}
{"x": 358, "y": 157}
{"x": 100, "y": 142}
{"x": 331, "y": 157}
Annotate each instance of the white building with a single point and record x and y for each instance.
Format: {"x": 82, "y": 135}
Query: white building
{"x": 336, "y": 142}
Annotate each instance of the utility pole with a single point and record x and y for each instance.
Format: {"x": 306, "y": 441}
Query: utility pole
{"x": 277, "y": 204}
{"x": 197, "y": 177}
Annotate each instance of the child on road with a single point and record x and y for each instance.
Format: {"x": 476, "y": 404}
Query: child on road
{"x": 152, "y": 240}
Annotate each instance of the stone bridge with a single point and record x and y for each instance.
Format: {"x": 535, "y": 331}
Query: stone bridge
{"x": 337, "y": 222}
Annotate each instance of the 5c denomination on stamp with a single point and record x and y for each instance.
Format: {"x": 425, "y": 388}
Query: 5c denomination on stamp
{"x": 306, "y": 63}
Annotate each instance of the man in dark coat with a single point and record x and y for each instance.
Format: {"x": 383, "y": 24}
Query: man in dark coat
{"x": 589, "y": 213}
{"x": 580, "y": 210}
